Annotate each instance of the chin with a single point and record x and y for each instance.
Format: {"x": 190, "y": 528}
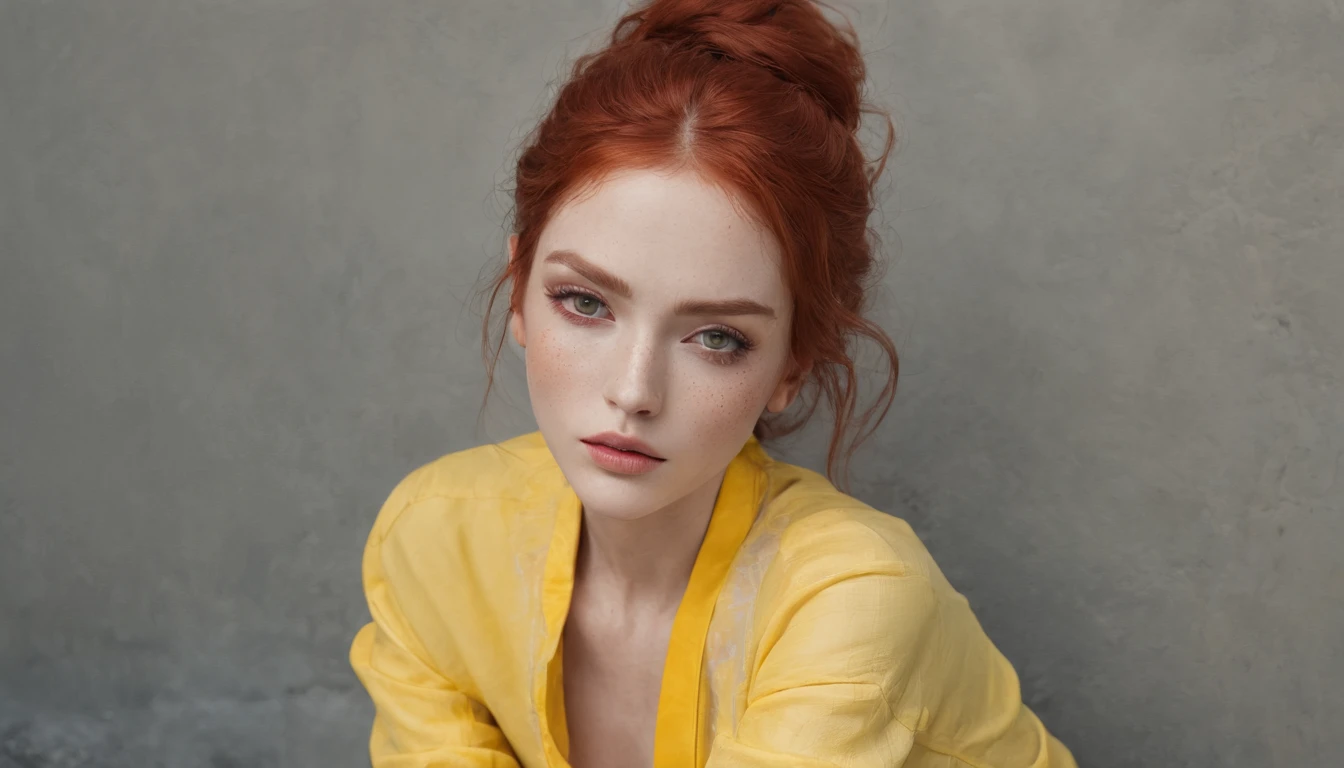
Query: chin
{"x": 621, "y": 497}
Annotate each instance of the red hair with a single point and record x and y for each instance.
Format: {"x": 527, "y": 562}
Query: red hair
{"x": 763, "y": 99}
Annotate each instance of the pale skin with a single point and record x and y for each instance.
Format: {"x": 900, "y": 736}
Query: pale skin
{"x": 656, "y": 354}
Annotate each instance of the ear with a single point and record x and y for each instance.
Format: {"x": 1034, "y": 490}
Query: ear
{"x": 516, "y": 326}
{"x": 788, "y": 387}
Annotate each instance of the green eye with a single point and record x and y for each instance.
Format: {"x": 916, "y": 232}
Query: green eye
{"x": 717, "y": 340}
{"x": 586, "y": 305}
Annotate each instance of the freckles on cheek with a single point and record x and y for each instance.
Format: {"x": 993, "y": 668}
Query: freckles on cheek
{"x": 725, "y": 405}
{"x": 553, "y": 367}
{"x": 543, "y": 362}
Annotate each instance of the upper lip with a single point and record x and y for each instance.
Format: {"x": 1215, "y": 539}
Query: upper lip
{"x": 623, "y": 442}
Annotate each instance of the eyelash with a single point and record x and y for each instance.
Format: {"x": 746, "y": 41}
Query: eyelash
{"x": 744, "y": 345}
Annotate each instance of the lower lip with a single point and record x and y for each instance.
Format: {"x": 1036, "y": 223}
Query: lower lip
{"x": 624, "y": 462}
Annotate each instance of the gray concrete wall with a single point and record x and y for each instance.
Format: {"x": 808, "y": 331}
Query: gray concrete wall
{"x": 236, "y": 240}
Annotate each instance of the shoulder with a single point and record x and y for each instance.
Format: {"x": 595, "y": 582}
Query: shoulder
{"x": 838, "y": 556}
{"x": 847, "y": 583}
{"x": 446, "y": 543}
{"x": 825, "y": 533}
{"x": 847, "y": 596}
{"x": 486, "y": 481}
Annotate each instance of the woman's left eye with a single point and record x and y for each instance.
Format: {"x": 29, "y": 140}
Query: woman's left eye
{"x": 719, "y": 341}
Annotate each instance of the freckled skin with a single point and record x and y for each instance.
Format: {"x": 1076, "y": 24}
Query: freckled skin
{"x": 634, "y": 366}
{"x": 642, "y": 371}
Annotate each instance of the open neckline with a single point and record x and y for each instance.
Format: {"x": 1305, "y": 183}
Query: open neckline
{"x": 678, "y": 730}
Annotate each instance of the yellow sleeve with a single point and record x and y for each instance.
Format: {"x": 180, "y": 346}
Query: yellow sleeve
{"x": 422, "y": 719}
{"x": 880, "y": 669}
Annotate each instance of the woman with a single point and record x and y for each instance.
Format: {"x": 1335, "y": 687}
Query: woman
{"x": 638, "y": 582}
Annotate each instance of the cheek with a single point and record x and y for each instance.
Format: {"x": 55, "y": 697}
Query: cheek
{"x": 557, "y": 368}
{"x": 546, "y": 362}
{"x": 722, "y": 403}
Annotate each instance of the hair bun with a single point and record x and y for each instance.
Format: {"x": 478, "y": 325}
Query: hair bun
{"x": 789, "y": 38}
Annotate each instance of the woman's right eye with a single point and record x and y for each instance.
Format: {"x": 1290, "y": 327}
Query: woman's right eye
{"x": 584, "y": 305}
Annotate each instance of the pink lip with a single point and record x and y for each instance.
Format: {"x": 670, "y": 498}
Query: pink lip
{"x": 622, "y": 442}
{"x": 624, "y": 462}
{"x": 618, "y": 458}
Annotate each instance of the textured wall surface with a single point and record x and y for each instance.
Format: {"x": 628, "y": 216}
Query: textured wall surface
{"x": 237, "y": 242}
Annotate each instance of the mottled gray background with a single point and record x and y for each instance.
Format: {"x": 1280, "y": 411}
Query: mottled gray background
{"x": 238, "y": 242}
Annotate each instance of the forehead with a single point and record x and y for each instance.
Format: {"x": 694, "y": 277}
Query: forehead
{"x": 671, "y": 234}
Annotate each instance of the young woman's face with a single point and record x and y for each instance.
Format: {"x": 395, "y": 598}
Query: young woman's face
{"x": 654, "y": 310}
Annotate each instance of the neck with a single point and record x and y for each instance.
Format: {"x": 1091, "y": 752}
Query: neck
{"x": 647, "y": 562}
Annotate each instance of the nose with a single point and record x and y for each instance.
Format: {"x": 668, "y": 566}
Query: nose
{"x": 635, "y": 384}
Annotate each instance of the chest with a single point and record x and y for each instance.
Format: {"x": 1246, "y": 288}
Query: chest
{"x": 613, "y": 673}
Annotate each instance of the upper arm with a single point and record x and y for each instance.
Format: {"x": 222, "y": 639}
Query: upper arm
{"x": 869, "y": 660}
{"x": 829, "y": 662}
{"x": 422, "y": 718}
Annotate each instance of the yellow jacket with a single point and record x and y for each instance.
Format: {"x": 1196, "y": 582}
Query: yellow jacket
{"x": 815, "y": 630}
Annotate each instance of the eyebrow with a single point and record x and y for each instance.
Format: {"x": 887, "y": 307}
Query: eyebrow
{"x": 616, "y": 285}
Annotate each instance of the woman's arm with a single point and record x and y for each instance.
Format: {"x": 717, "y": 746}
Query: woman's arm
{"x": 422, "y": 719}
{"x": 876, "y": 667}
